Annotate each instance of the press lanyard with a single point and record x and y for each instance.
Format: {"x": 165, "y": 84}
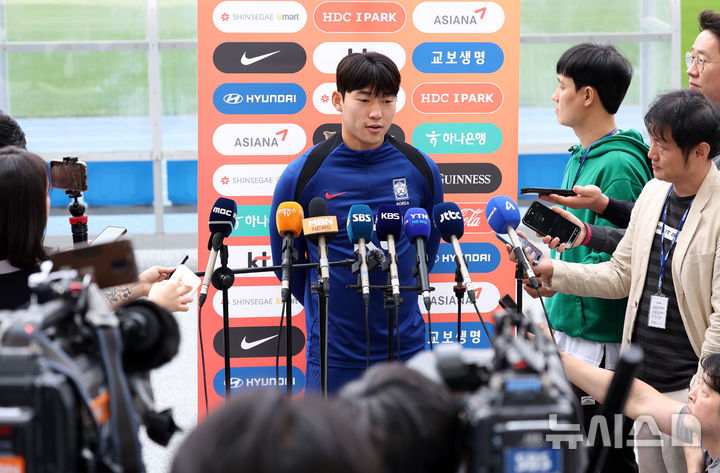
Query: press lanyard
{"x": 664, "y": 256}
{"x": 585, "y": 155}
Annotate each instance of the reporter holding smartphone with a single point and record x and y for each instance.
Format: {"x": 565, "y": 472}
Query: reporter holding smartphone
{"x": 24, "y": 210}
{"x": 668, "y": 262}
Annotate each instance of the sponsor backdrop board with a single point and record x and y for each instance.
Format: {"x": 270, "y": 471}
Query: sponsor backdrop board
{"x": 266, "y": 73}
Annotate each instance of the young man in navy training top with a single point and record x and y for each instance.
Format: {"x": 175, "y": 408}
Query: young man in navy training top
{"x": 360, "y": 165}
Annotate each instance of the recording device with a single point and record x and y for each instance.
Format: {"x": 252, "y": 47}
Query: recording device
{"x": 222, "y": 222}
{"x": 449, "y": 221}
{"x": 417, "y": 228}
{"x": 110, "y": 233}
{"x": 519, "y": 410}
{"x": 543, "y": 220}
{"x": 547, "y": 190}
{"x": 74, "y": 378}
{"x": 109, "y": 264}
{"x": 69, "y": 175}
{"x": 360, "y": 232}
{"x": 388, "y": 225}
{"x": 320, "y": 228}
{"x": 288, "y": 218}
{"x": 503, "y": 216}
{"x": 525, "y": 243}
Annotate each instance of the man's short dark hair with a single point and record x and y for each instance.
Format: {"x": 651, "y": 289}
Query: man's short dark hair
{"x": 710, "y": 20}
{"x": 262, "y": 432}
{"x": 23, "y": 211}
{"x": 711, "y": 366}
{"x": 599, "y": 66}
{"x": 374, "y": 70}
{"x": 410, "y": 418}
{"x": 689, "y": 116}
{"x": 10, "y": 132}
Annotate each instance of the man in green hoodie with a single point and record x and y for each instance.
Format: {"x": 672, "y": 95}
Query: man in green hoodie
{"x": 592, "y": 82}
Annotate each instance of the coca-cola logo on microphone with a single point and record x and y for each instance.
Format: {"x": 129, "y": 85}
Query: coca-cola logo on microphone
{"x": 474, "y": 217}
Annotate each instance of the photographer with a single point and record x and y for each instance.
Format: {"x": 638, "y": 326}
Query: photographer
{"x": 24, "y": 211}
{"x": 703, "y": 403}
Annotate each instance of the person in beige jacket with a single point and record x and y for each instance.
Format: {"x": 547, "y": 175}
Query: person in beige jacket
{"x": 672, "y": 283}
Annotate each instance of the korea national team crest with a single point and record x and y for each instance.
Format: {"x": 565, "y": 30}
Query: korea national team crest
{"x": 401, "y": 191}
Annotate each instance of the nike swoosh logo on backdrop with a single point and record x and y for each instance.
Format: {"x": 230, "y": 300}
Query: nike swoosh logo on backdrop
{"x": 246, "y": 61}
{"x": 332, "y": 196}
{"x": 249, "y": 345}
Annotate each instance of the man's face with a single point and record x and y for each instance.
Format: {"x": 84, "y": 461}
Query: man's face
{"x": 706, "y": 46}
{"x": 569, "y": 102}
{"x": 667, "y": 158}
{"x": 365, "y": 117}
{"x": 704, "y": 404}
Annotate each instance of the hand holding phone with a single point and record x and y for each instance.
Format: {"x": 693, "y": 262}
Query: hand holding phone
{"x": 545, "y": 221}
{"x": 547, "y": 191}
{"x": 525, "y": 243}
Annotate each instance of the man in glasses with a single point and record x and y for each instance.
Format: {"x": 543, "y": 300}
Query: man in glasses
{"x": 703, "y": 59}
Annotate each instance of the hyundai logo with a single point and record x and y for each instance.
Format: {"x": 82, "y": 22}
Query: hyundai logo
{"x": 233, "y": 99}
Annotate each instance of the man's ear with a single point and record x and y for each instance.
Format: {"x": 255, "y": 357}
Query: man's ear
{"x": 701, "y": 152}
{"x": 337, "y": 100}
{"x": 589, "y": 95}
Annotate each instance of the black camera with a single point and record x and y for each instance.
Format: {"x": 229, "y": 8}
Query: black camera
{"x": 74, "y": 384}
{"x": 520, "y": 414}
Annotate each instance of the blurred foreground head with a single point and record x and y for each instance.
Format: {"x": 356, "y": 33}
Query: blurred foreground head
{"x": 411, "y": 419}
{"x": 262, "y": 432}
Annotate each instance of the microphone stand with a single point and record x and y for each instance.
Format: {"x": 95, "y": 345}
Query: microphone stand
{"x": 287, "y": 300}
{"x": 322, "y": 289}
{"x": 222, "y": 279}
{"x": 78, "y": 221}
{"x": 459, "y": 289}
{"x": 392, "y": 304}
{"x": 519, "y": 276}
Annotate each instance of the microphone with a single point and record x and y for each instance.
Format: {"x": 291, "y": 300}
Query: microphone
{"x": 503, "y": 216}
{"x": 417, "y": 228}
{"x": 222, "y": 223}
{"x": 449, "y": 221}
{"x": 388, "y": 225}
{"x": 320, "y": 228}
{"x": 360, "y": 231}
{"x": 288, "y": 218}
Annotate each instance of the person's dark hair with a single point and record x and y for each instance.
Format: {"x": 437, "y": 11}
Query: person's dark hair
{"x": 10, "y": 133}
{"x": 359, "y": 70}
{"x": 710, "y": 20}
{"x": 410, "y": 418}
{"x": 689, "y": 116}
{"x": 711, "y": 366}
{"x": 600, "y": 66}
{"x": 24, "y": 187}
{"x": 261, "y": 432}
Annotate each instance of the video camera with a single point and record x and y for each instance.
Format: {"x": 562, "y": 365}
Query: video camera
{"x": 74, "y": 378}
{"x": 518, "y": 404}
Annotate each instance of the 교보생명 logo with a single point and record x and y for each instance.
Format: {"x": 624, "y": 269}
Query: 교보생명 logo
{"x": 247, "y": 179}
{"x": 259, "y": 139}
{"x": 259, "y": 17}
{"x": 254, "y": 58}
